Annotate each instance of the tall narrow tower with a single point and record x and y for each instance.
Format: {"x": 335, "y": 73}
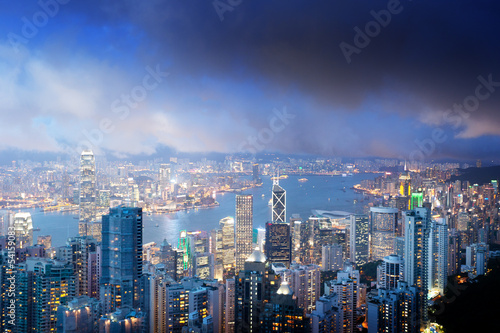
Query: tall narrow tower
{"x": 416, "y": 265}
{"x": 87, "y": 194}
{"x": 243, "y": 228}
{"x": 279, "y": 202}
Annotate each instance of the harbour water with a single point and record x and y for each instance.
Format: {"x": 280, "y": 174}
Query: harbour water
{"x": 319, "y": 192}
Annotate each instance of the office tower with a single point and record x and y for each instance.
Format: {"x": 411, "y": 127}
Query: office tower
{"x": 46, "y": 241}
{"x": 279, "y": 203}
{"x": 23, "y": 230}
{"x": 227, "y": 249}
{"x": 168, "y": 257}
{"x": 278, "y": 247}
{"x": 87, "y": 226}
{"x": 382, "y": 231}
{"x": 346, "y": 288}
{"x": 332, "y": 258}
{"x": 81, "y": 248}
{"x": 438, "y": 255}
{"x": 282, "y": 314}
{"x": 121, "y": 258}
{"x": 94, "y": 272}
{"x": 305, "y": 282}
{"x": 391, "y": 271}
{"x": 394, "y": 310}
{"x": 358, "y": 239}
{"x": 463, "y": 221}
{"x": 123, "y": 320}
{"x": 399, "y": 246}
{"x": 229, "y": 306}
{"x": 255, "y": 285}
{"x": 243, "y": 228}
{"x": 416, "y": 265}
{"x": 326, "y": 316}
{"x": 42, "y": 286}
{"x": 80, "y": 315}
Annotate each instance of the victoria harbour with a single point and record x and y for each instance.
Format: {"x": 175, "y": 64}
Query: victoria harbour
{"x": 318, "y": 192}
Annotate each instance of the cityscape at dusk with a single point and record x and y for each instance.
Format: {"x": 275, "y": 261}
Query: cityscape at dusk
{"x": 248, "y": 166}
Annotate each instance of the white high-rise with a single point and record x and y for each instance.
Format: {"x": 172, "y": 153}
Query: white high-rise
{"x": 23, "y": 230}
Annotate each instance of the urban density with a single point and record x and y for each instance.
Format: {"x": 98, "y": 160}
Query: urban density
{"x": 237, "y": 166}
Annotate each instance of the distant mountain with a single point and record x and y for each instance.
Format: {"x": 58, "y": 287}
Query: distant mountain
{"x": 478, "y": 176}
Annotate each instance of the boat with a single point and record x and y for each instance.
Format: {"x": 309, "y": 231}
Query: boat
{"x": 303, "y": 180}
{"x": 36, "y": 229}
{"x": 157, "y": 225}
{"x": 270, "y": 203}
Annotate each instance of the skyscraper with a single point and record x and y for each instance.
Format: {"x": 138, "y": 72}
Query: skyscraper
{"x": 416, "y": 266}
{"x": 279, "y": 203}
{"x": 278, "y": 246}
{"x": 438, "y": 255}
{"x": 244, "y": 228}
{"x": 227, "y": 242}
{"x": 87, "y": 225}
{"x": 382, "y": 230}
{"x": 121, "y": 258}
{"x": 358, "y": 238}
{"x": 255, "y": 284}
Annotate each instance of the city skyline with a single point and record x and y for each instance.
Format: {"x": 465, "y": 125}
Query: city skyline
{"x": 128, "y": 79}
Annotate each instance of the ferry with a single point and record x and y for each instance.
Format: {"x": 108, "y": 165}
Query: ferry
{"x": 303, "y": 180}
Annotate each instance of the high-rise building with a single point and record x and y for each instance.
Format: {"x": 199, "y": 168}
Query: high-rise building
{"x": 383, "y": 222}
{"x": 121, "y": 258}
{"x": 158, "y": 284}
{"x": 305, "y": 282}
{"x": 394, "y": 310}
{"x": 332, "y": 258}
{"x": 278, "y": 245}
{"x": 391, "y": 271}
{"x": 454, "y": 257}
{"x": 81, "y": 248}
{"x": 346, "y": 288}
{"x": 282, "y": 314}
{"x": 87, "y": 225}
{"x": 255, "y": 285}
{"x": 42, "y": 286}
{"x": 80, "y": 315}
{"x": 416, "y": 265}
{"x": 326, "y": 316}
{"x": 438, "y": 255}
{"x": 358, "y": 239}
{"x": 243, "y": 228}
{"x": 125, "y": 319}
{"x": 227, "y": 249}
{"x": 23, "y": 229}
{"x": 168, "y": 257}
{"x": 229, "y": 306}
{"x": 279, "y": 203}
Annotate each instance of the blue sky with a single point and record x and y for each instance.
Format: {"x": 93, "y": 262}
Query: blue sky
{"x": 63, "y": 83}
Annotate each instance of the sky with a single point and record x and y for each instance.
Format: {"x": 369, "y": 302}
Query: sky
{"x": 415, "y": 80}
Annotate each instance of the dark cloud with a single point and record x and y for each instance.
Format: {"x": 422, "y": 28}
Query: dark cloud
{"x": 228, "y": 75}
